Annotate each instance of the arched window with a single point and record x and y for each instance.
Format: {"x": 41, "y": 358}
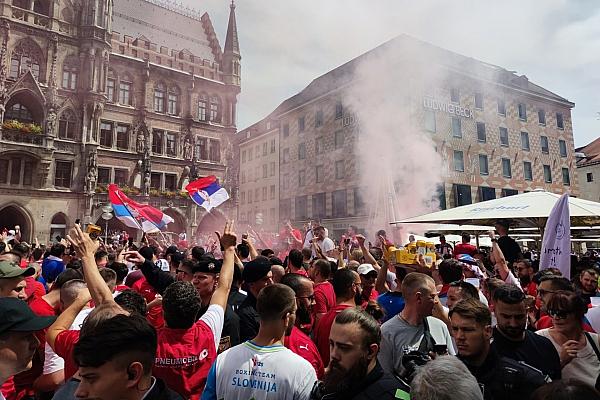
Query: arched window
{"x": 19, "y": 112}
{"x": 159, "y": 98}
{"x": 202, "y": 107}
{"x": 66, "y": 125}
{"x": 70, "y": 72}
{"x": 215, "y": 109}
{"x": 25, "y": 56}
{"x": 173, "y": 101}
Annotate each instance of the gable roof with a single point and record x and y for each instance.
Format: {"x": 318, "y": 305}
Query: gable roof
{"x": 165, "y": 25}
{"x": 592, "y": 153}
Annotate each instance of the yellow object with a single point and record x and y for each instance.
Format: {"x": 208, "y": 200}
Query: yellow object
{"x": 410, "y": 256}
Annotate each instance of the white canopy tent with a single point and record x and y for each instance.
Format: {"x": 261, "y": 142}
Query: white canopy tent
{"x": 523, "y": 210}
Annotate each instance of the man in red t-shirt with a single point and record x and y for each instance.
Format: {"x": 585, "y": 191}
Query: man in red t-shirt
{"x": 465, "y": 247}
{"x": 295, "y": 263}
{"x": 347, "y": 287}
{"x": 368, "y": 276}
{"x": 187, "y": 347}
{"x": 525, "y": 274}
{"x": 320, "y": 272}
{"x": 298, "y": 341}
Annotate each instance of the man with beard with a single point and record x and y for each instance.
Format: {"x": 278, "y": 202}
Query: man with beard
{"x": 413, "y": 329}
{"x": 297, "y": 341}
{"x": 499, "y": 377}
{"x": 513, "y": 340}
{"x": 525, "y": 272}
{"x": 347, "y": 287}
{"x": 262, "y": 368}
{"x": 354, "y": 372}
{"x": 588, "y": 281}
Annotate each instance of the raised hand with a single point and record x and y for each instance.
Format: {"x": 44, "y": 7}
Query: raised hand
{"x": 81, "y": 242}
{"x": 361, "y": 240}
{"x": 134, "y": 257}
{"x": 228, "y": 238}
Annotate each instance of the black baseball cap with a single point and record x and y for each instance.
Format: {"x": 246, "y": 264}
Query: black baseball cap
{"x": 208, "y": 265}
{"x": 256, "y": 269}
{"x": 18, "y": 317}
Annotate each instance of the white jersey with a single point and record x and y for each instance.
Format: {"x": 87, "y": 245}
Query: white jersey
{"x": 248, "y": 371}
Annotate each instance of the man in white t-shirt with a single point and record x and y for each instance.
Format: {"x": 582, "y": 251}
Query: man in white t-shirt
{"x": 262, "y": 368}
{"x": 327, "y": 246}
{"x": 414, "y": 328}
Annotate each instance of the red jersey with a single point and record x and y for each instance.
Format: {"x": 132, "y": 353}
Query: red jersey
{"x": 301, "y": 271}
{"x": 34, "y": 288}
{"x": 531, "y": 289}
{"x": 184, "y": 357}
{"x": 155, "y": 314}
{"x": 323, "y": 328}
{"x": 464, "y": 248}
{"x": 8, "y": 389}
{"x": 121, "y": 288}
{"x": 301, "y": 344}
{"x": 63, "y": 346}
{"x": 324, "y": 298}
{"x": 545, "y": 321}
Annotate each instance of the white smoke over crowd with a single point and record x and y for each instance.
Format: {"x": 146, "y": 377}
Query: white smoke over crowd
{"x": 398, "y": 164}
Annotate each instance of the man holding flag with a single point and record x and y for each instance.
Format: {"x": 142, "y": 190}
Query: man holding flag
{"x": 136, "y": 215}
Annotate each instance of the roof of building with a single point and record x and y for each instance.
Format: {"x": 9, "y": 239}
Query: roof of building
{"x": 231, "y": 40}
{"x": 167, "y": 24}
{"x": 407, "y": 45}
{"x": 592, "y": 154}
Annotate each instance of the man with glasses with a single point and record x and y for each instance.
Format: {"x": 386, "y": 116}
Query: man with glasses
{"x": 512, "y": 338}
{"x": 12, "y": 280}
{"x": 297, "y": 340}
{"x": 413, "y": 329}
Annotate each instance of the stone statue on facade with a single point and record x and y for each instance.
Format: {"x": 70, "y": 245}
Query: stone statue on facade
{"x": 188, "y": 149}
{"x": 51, "y": 122}
{"x": 141, "y": 141}
{"x": 92, "y": 171}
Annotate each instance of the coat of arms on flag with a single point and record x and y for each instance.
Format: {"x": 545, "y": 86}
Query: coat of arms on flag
{"x": 207, "y": 193}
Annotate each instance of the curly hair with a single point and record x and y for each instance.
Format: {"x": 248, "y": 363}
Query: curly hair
{"x": 132, "y": 301}
{"x": 181, "y": 305}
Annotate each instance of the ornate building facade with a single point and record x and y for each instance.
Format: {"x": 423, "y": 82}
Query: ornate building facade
{"x": 92, "y": 92}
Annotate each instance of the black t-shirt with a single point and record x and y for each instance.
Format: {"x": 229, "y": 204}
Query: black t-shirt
{"x": 510, "y": 248}
{"x": 535, "y": 350}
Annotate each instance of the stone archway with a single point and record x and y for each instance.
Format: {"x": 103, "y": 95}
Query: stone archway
{"x": 212, "y": 221}
{"x": 179, "y": 223}
{"x": 12, "y": 215}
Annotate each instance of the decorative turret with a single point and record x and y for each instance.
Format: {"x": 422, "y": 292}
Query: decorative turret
{"x": 231, "y": 52}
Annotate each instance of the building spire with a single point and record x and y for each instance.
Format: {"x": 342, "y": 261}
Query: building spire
{"x": 231, "y": 41}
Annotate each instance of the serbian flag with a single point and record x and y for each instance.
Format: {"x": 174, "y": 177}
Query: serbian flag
{"x": 207, "y": 193}
{"x": 136, "y": 215}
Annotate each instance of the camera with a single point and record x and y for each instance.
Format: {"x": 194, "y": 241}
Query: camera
{"x": 411, "y": 360}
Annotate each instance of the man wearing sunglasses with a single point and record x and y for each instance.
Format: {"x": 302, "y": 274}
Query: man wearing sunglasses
{"x": 12, "y": 279}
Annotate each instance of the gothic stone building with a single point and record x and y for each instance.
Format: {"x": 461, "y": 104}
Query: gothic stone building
{"x": 133, "y": 92}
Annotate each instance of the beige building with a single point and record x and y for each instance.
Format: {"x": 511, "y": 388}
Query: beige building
{"x": 134, "y": 92}
{"x": 588, "y": 169}
{"x": 497, "y": 133}
{"x": 258, "y": 195}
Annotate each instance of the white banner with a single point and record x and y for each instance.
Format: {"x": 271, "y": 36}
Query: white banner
{"x": 556, "y": 247}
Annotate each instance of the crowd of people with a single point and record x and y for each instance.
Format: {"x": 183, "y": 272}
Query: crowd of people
{"x": 293, "y": 315}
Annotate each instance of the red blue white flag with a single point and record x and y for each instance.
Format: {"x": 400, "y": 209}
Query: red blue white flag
{"x": 136, "y": 215}
{"x": 207, "y": 193}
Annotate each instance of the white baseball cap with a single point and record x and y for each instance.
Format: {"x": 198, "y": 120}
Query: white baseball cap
{"x": 364, "y": 269}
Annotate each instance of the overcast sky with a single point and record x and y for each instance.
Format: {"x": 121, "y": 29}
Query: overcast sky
{"x": 287, "y": 43}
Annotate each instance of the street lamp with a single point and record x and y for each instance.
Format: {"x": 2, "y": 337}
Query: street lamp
{"x": 106, "y": 216}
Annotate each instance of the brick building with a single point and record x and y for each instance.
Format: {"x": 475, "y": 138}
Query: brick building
{"x": 135, "y": 92}
{"x": 497, "y": 133}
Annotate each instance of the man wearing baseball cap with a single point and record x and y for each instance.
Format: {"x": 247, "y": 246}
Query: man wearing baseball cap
{"x": 12, "y": 279}
{"x": 257, "y": 275}
{"x": 17, "y": 336}
{"x": 368, "y": 276}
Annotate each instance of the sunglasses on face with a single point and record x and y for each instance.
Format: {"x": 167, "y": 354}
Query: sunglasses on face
{"x": 19, "y": 289}
{"x": 558, "y": 314}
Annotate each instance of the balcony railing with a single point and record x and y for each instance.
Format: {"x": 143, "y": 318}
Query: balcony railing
{"x": 18, "y": 136}
{"x": 31, "y": 17}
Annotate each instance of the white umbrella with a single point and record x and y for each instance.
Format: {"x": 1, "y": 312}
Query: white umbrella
{"x": 523, "y": 210}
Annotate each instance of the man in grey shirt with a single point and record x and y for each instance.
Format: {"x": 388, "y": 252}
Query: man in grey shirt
{"x": 405, "y": 331}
